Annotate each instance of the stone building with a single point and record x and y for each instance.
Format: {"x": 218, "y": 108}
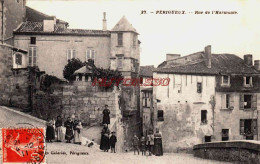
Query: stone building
{"x": 115, "y": 49}
{"x": 210, "y": 97}
{"x": 146, "y": 105}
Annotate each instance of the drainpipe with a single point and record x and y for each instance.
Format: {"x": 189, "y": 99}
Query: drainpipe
{"x": 2, "y": 1}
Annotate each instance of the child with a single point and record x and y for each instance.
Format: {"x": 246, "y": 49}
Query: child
{"x": 136, "y": 144}
{"x": 113, "y": 141}
{"x": 143, "y": 145}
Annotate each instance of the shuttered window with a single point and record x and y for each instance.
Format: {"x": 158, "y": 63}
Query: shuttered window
{"x": 242, "y": 128}
{"x": 90, "y": 54}
{"x": 248, "y": 101}
{"x": 120, "y": 39}
{"x": 18, "y": 59}
{"x": 32, "y": 56}
{"x": 254, "y": 126}
{"x": 71, "y": 54}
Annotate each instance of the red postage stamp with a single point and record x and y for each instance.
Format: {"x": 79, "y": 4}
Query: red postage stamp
{"x": 25, "y": 145}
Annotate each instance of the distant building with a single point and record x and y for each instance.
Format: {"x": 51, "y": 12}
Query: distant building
{"x": 146, "y": 99}
{"x": 209, "y": 97}
{"x": 51, "y": 44}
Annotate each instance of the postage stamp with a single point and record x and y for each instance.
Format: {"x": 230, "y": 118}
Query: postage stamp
{"x": 23, "y": 145}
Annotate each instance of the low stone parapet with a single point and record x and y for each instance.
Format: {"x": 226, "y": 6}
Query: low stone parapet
{"x": 231, "y": 151}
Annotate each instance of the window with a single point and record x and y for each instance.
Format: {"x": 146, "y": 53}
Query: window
{"x": 120, "y": 62}
{"x": 141, "y": 80}
{"x": 204, "y": 117}
{"x": 248, "y": 128}
{"x": 134, "y": 40}
{"x": 225, "y": 134}
{"x": 33, "y": 40}
{"x": 227, "y": 100}
{"x": 90, "y": 54}
{"x": 199, "y": 87}
{"x": 32, "y": 56}
{"x": 248, "y": 101}
{"x": 225, "y": 80}
{"x": 18, "y": 59}
{"x": 71, "y": 54}
{"x": 160, "y": 115}
{"x": 120, "y": 39}
{"x": 248, "y": 81}
{"x": 207, "y": 138}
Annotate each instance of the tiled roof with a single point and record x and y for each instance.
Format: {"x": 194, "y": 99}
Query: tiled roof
{"x": 37, "y": 16}
{"x": 146, "y": 71}
{"x": 124, "y": 25}
{"x": 37, "y": 28}
{"x": 82, "y": 70}
{"x": 221, "y": 64}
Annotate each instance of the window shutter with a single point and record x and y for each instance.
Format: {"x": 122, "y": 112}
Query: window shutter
{"x": 254, "y": 126}
{"x": 244, "y": 81}
{"x": 241, "y": 102}
{"x": 251, "y": 81}
{"x": 68, "y": 55}
{"x": 223, "y": 101}
{"x": 242, "y": 122}
{"x": 74, "y": 54}
{"x": 93, "y": 54}
{"x": 34, "y": 56}
{"x": 231, "y": 100}
{"x": 88, "y": 54}
{"x": 254, "y": 101}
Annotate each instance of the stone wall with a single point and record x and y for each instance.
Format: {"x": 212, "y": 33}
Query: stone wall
{"x": 235, "y": 151}
{"x": 87, "y": 102}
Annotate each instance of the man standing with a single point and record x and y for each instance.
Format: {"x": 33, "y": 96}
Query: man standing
{"x": 150, "y": 142}
{"x": 136, "y": 144}
{"x": 112, "y": 142}
{"x": 106, "y": 117}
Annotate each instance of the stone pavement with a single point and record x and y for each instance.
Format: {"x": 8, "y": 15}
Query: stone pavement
{"x": 64, "y": 153}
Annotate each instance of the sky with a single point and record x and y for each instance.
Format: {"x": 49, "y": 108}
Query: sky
{"x": 169, "y": 33}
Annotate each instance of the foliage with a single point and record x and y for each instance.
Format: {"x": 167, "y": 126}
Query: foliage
{"x": 71, "y": 67}
{"x": 107, "y": 78}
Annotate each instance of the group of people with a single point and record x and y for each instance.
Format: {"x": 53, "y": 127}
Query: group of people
{"x": 151, "y": 143}
{"x": 73, "y": 130}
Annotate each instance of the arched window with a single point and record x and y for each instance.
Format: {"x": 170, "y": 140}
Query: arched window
{"x": 18, "y": 59}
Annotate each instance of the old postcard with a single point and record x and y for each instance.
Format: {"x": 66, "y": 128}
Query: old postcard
{"x": 129, "y": 81}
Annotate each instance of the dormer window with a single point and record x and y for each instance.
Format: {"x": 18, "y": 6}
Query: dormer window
{"x": 248, "y": 81}
{"x": 225, "y": 80}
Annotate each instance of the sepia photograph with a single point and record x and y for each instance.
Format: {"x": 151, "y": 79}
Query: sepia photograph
{"x": 129, "y": 81}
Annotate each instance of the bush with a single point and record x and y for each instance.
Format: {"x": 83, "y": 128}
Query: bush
{"x": 71, "y": 67}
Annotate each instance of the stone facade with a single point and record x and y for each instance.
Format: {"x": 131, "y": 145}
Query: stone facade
{"x": 182, "y": 126}
{"x": 235, "y": 151}
{"x": 87, "y": 102}
{"x": 13, "y": 14}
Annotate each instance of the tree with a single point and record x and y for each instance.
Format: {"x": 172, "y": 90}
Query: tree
{"x": 71, "y": 67}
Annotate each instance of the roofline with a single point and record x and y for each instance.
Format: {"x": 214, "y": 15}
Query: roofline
{"x": 61, "y": 21}
{"x": 124, "y": 31}
{"x": 205, "y": 74}
{"x": 64, "y": 34}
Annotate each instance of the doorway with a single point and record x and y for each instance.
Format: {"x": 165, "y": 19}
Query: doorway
{"x": 248, "y": 129}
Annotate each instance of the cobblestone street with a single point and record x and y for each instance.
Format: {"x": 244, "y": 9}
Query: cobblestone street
{"x": 98, "y": 157}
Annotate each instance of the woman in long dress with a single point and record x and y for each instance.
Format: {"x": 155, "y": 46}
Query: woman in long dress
{"x": 104, "y": 144}
{"x": 58, "y": 128}
{"x": 50, "y": 133}
{"x": 158, "y": 150}
{"x": 78, "y": 133}
{"x": 106, "y": 117}
{"x": 69, "y": 130}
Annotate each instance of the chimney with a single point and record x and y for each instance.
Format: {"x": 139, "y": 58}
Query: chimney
{"x": 172, "y": 56}
{"x": 257, "y": 65}
{"x": 48, "y": 25}
{"x": 208, "y": 56}
{"x": 104, "y": 22}
{"x": 248, "y": 59}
